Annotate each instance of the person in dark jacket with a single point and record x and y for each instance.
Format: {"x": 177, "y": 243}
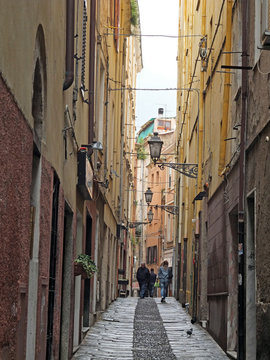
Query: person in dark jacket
{"x": 143, "y": 279}
{"x": 152, "y": 280}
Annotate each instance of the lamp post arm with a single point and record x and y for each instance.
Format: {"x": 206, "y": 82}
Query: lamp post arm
{"x": 190, "y": 170}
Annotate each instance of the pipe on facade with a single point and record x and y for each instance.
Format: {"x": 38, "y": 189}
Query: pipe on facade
{"x": 92, "y": 56}
{"x": 241, "y": 204}
{"x": 227, "y": 86}
{"x": 69, "y": 75}
{"x": 123, "y": 110}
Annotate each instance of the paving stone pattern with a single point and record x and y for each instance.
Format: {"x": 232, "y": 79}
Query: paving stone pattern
{"x": 150, "y": 340}
{"x": 147, "y": 329}
{"x": 112, "y": 336}
{"x": 199, "y": 346}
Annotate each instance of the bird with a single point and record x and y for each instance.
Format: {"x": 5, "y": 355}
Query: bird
{"x": 193, "y": 320}
{"x": 189, "y": 332}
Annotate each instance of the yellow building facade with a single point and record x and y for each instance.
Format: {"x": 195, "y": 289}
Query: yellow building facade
{"x": 207, "y": 91}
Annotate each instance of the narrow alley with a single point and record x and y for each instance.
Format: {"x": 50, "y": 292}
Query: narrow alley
{"x": 146, "y": 329}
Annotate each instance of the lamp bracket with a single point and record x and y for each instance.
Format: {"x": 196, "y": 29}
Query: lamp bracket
{"x": 169, "y": 208}
{"x": 190, "y": 170}
{"x": 136, "y": 223}
{"x": 105, "y": 183}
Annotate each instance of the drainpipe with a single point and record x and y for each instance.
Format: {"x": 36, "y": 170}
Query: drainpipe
{"x": 92, "y": 71}
{"x": 227, "y": 85}
{"x": 97, "y": 64}
{"x": 123, "y": 107}
{"x": 107, "y": 119}
{"x": 241, "y": 204}
{"x": 69, "y": 76}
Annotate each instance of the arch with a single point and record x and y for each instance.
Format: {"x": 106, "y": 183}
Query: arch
{"x": 39, "y": 86}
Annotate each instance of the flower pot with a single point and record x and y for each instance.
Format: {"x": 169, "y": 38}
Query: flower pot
{"x": 79, "y": 270}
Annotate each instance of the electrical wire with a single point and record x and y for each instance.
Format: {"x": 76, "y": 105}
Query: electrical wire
{"x": 146, "y": 89}
{"x": 156, "y": 35}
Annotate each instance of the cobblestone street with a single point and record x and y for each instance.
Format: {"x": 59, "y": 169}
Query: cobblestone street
{"x": 147, "y": 329}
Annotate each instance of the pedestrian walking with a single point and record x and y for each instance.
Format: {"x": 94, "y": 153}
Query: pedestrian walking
{"x": 165, "y": 276}
{"x": 143, "y": 276}
{"x": 152, "y": 280}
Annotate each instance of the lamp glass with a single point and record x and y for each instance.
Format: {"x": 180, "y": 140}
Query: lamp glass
{"x": 155, "y": 145}
{"x": 148, "y": 196}
{"x": 97, "y": 146}
{"x": 150, "y": 215}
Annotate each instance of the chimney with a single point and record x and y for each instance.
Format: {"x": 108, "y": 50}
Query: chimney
{"x": 160, "y": 112}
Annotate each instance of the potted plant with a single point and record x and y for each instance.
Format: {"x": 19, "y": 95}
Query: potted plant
{"x": 85, "y": 266}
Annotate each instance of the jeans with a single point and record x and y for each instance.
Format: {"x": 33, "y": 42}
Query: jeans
{"x": 143, "y": 287}
{"x": 164, "y": 288}
{"x": 151, "y": 289}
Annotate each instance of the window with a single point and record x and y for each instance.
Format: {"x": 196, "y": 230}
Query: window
{"x": 262, "y": 22}
{"x": 116, "y": 23}
{"x": 169, "y": 228}
{"x": 151, "y": 255}
{"x": 264, "y": 17}
{"x": 164, "y": 125}
{"x": 170, "y": 177}
{"x": 101, "y": 103}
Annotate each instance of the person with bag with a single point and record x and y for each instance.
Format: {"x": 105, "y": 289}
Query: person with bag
{"x": 165, "y": 276}
{"x": 152, "y": 280}
{"x": 143, "y": 279}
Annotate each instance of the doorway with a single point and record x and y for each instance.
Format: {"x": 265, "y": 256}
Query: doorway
{"x": 88, "y": 251}
{"x": 66, "y": 283}
{"x": 251, "y": 280}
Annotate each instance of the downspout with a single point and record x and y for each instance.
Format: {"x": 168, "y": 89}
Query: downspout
{"x": 198, "y": 204}
{"x": 123, "y": 107}
{"x": 69, "y": 76}
{"x": 241, "y": 205}
{"x": 107, "y": 118}
{"x": 98, "y": 84}
{"x": 227, "y": 85}
{"x": 92, "y": 71}
{"x": 202, "y": 283}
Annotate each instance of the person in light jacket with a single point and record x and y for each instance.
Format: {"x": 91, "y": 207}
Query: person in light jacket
{"x": 165, "y": 276}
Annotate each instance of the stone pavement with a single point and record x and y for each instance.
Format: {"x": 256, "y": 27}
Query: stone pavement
{"x": 134, "y": 328}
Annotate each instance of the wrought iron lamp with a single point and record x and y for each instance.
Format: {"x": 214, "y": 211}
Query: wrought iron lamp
{"x": 150, "y": 215}
{"x": 148, "y": 196}
{"x": 93, "y": 146}
{"x": 155, "y": 145}
{"x": 169, "y": 208}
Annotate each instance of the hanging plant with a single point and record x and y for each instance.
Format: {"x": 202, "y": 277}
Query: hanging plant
{"x": 141, "y": 152}
{"x": 134, "y": 12}
{"x": 85, "y": 266}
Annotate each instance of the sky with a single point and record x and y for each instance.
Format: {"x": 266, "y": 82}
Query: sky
{"x": 157, "y": 17}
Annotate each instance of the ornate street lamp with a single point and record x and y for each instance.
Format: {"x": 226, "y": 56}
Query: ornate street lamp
{"x": 136, "y": 223}
{"x": 150, "y": 215}
{"x": 155, "y": 145}
{"x": 169, "y": 208}
{"x": 148, "y": 196}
